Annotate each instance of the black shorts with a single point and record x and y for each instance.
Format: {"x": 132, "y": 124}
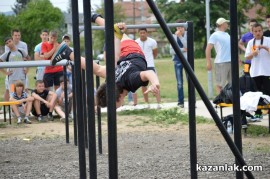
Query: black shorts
{"x": 43, "y": 109}
{"x": 51, "y": 79}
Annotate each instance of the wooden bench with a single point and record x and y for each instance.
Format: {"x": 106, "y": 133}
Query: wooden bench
{"x": 8, "y": 103}
{"x": 223, "y": 105}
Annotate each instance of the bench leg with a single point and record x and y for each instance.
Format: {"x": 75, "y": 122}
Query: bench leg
{"x": 9, "y": 114}
{"x": 268, "y": 120}
{"x": 5, "y": 119}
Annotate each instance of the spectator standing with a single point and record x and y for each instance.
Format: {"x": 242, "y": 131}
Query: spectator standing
{"x": 37, "y": 53}
{"x": 60, "y": 106}
{"x": 150, "y": 50}
{"x": 44, "y": 101}
{"x": 258, "y": 51}
{"x": 245, "y": 39}
{"x": 66, "y": 39}
{"x": 16, "y": 37}
{"x": 180, "y": 37}
{"x": 21, "y": 110}
{"x": 267, "y": 20}
{"x": 13, "y": 74}
{"x": 51, "y": 73}
{"x": 221, "y": 41}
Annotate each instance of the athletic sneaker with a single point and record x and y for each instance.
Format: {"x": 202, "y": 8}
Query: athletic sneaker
{"x": 19, "y": 120}
{"x": 118, "y": 32}
{"x": 159, "y": 106}
{"x": 27, "y": 121}
{"x": 40, "y": 118}
{"x": 180, "y": 105}
{"x": 62, "y": 52}
{"x": 258, "y": 117}
{"x": 50, "y": 117}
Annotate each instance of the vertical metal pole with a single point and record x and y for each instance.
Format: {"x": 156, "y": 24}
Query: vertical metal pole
{"x": 84, "y": 109}
{"x": 66, "y": 104}
{"x": 199, "y": 88}
{"x": 78, "y": 79}
{"x": 110, "y": 78}
{"x": 99, "y": 120}
{"x": 191, "y": 105}
{"x": 209, "y": 73}
{"x": 74, "y": 107}
{"x": 90, "y": 90}
{"x": 235, "y": 82}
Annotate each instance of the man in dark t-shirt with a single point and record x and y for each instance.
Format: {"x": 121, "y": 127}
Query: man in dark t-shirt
{"x": 44, "y": 101}
{"x": 131, "y": 70}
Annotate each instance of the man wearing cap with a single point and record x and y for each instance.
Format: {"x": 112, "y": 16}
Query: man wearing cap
{"x": 220, "y": 40}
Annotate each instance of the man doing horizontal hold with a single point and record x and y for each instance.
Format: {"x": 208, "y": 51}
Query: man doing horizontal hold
{"x": 131, "y": 68}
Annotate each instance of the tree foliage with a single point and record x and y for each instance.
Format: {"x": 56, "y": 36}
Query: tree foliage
{"x": 264, "y": 8}
{"x": 19, "y": 6}
{"x": 194, "y": 10}
{"x": 5, "y": 22}
{"x": 34, "y": 17}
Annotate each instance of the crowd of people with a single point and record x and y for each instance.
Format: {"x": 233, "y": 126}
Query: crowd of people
{"x": 256, "y": 46}
{"x": 135, "y": 67}
{"x": 48, "y": 93}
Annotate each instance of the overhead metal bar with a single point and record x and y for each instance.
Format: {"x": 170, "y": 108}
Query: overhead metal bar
{"x": 137, "y": 26}
{"x": 20, "y": 64}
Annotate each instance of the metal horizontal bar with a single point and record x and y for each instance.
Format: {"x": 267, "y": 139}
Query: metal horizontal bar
{"x": 21, "y": 64}
{"x": 137, "y": 26}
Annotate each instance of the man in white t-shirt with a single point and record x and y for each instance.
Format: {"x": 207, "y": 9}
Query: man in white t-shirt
{"x": 220, "y": 40}
{"x": 16, "y": 37}
{"x": 258, "y": 51}
{"x": 150, "y": 50}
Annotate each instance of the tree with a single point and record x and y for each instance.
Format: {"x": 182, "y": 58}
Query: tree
{"x": 34, "y": 17}
{"x": 5, "y": 22}
{"x": 194, "y": 10}
{"x": 263, "y": 9}
{"x": 21, "y": 4}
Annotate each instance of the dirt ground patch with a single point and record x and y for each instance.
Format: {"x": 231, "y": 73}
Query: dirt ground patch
{"x": 145, "y": 150}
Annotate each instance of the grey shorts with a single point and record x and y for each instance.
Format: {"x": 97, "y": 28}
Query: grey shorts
{"x": 223, "y": 73}
{"x": 40, "y": 73}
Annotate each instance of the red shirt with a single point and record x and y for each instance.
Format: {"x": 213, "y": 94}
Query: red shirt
{"x": 128, "y": 47}
{"x": 46, "y": 47}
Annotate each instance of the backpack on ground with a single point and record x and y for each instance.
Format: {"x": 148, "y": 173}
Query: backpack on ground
{"x": 225, "y": 95}
{"x": 246, "y": 84}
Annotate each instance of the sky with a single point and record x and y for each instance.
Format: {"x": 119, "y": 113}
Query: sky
{"x": 5, "y": 5}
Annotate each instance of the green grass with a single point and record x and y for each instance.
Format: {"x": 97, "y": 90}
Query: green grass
{"x": 254, "y": 130}
{"x": 168, "y": 116}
